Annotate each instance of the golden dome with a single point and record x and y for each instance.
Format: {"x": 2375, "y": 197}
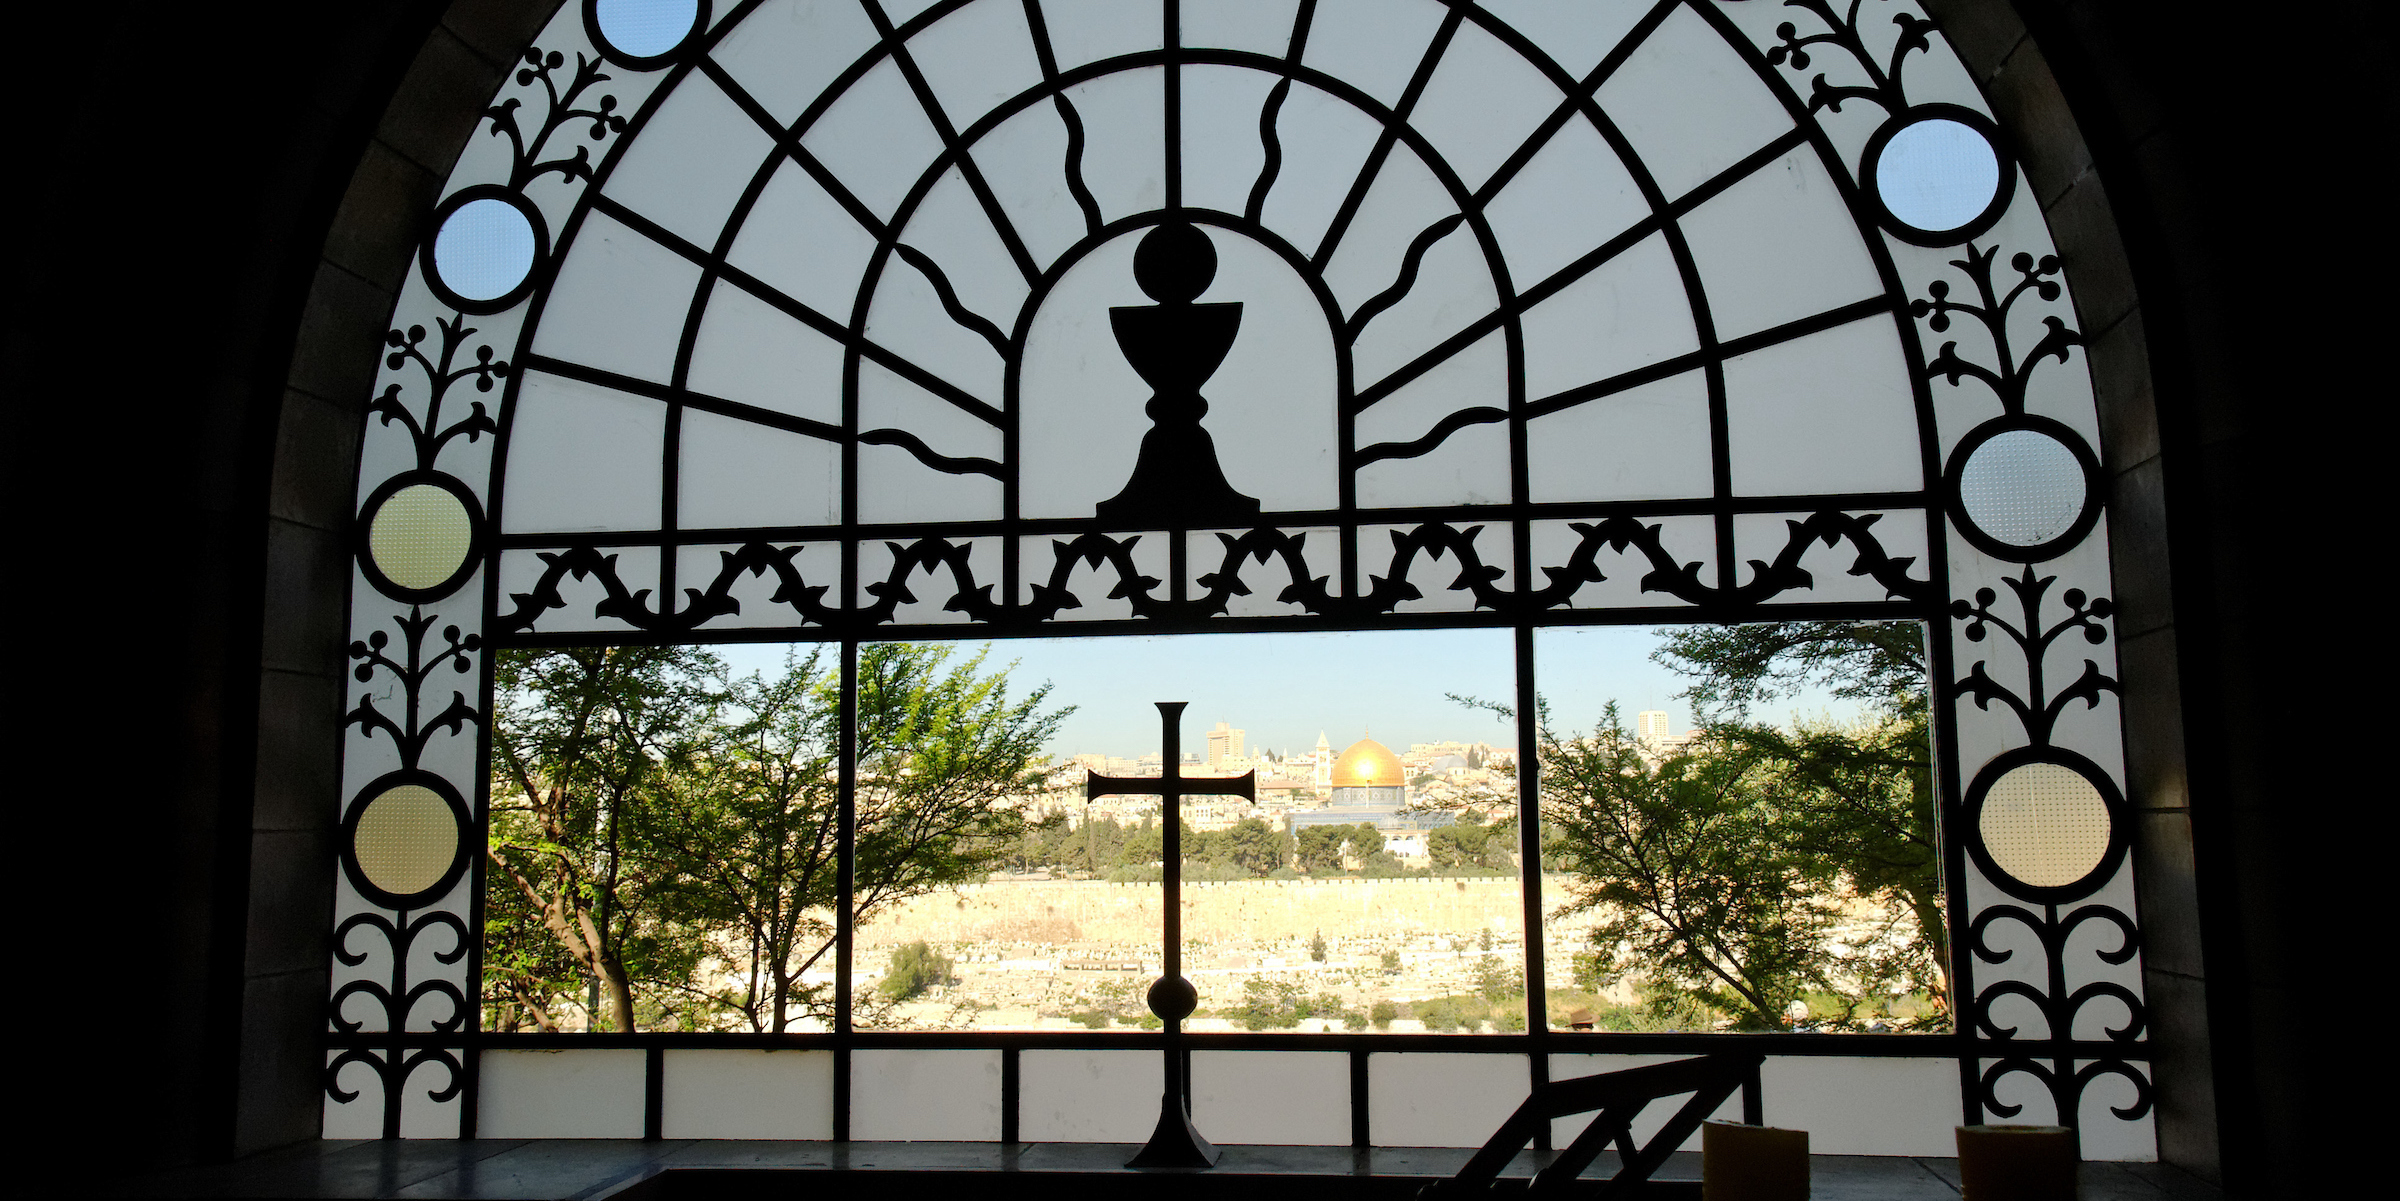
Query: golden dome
{"x": 1368, "y": 764}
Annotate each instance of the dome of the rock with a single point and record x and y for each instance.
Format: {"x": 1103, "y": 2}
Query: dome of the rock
{"x": 1368, "y": 764}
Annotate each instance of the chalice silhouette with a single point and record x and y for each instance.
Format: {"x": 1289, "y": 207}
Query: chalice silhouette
{"x": 1175, "y": 345}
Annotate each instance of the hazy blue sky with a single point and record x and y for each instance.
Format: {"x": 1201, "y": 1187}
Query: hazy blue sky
{"x": 1284, "y": 688}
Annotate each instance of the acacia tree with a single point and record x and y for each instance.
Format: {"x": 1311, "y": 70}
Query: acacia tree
{"x": 584, "y": 744}
{"x": 1684, "y": 863}
{"x": 945, "y": 756}
{"x": 1859, "y": 799}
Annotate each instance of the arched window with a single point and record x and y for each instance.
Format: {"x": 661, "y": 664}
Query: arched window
{"x": 847, "y": 322}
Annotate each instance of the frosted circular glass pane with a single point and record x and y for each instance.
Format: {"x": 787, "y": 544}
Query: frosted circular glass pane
{"x": 1937, "y": 174}
{"x": 645, "y": 28}
{"x": 2022, "y": 488}
{"x": 484, "y": 250}
{"x": 420, "y": 536}
{"x": 2044, "y": 824}
{"x": 406, "y": 840}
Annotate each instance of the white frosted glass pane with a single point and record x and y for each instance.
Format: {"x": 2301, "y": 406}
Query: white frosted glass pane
{"x": 559, "y": 1094}
{"x": 700, "y": 567}
{"x": 2023, "y": 487}
{"x": 582, "y": 458}
{"x": 975, "y": 58}
{"x": 1091, "y": 585}
{"x": 1577, "y": 34}
{"x": 1259, "y": 26}
{"x": 1453, "y": 289}
{"x": 2105, "y": 1136}
{"x": 1269, "y": 1097}
{"x": 645, "y": 28}
{"x": 1325, "y": 141}
{"x": 785, "y": 53}
{"x": 1573, "y": 1067}
{"x": 1937, "y": 174}
{"x": 636, "y": 566}
{"x": 1471, "y": 465}
{"x": 1024, "y": 161}
{"x": 1087, "y": 1096}
{"x": 954, "y": 230}
{"x": 484, "y": 249}
{"x": 875, "y": 139}
{"x": 894, "y": 484}
{"x": 1764, "y": 537}
{"x": 1686, "y": 539}
{"x": 1271, "y": 404}
{"x": 1124, "y": 146}
{"x": 1404, "y": 201}
{"x": 801, "y": 242}
{"x": 1865, "y": 1106}
{"x": 746, "y": 1094}
{"x": 1831, "y": 412}
{"x": 1572, "y": 196}
{"x": 933, "y": 1096}
{"x": 1482, "y": 103}
{"x": 754, "y": 353}
{"x": 1373, "y": 45}
{"x": 1689, "y": 105}
{"x": 1420, "y": 1099}
{"x": 619, "y": 303}
{"x": 736, "y": 474}
{"x": 1630, "y": 312}
{"x": 1222, "y": 153}
{"x": 1778, "y": 247}
{"x": 1083, "y": 31}
{"x": 691, "y": 162}
{"x": 909, "y": 320}
{"x": 1650, "y": 443}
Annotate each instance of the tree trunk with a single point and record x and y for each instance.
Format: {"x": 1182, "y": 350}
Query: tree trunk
{"x": 620, "y": 995}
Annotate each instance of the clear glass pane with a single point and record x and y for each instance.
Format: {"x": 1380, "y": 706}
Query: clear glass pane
{"x": 1738, "y": 829}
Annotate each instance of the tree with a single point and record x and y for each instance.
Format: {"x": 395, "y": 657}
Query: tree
{"x": 914, "y": 968}
{"x": 1249, "y": 844}
{"x": 584, "y": 745}
{"x": 719, "y": 807}
{"x": 1319, "y": 848}
{"x": 1860, "y": 800}
{"x": 1316, "y": 946}
{"x": 1685, "y": 867}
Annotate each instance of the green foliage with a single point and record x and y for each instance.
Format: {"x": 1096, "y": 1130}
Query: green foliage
{"x": 1316, "y": 946}
{"x": 1383, "y": 1014}
{"x": 652, "y": 815}
{"x": 1858, "y": 800}
{"x": 914, "y": 968}
{"x": 1391, "y": 963}
{"x": 1269, "y": 1004}
{"x": 1685, "y": 866}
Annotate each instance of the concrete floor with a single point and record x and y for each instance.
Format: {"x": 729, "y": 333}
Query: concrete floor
{"x": 632, "y": 1170}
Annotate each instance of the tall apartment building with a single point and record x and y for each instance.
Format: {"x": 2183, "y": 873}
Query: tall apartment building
{"x": 1224, "y": 745}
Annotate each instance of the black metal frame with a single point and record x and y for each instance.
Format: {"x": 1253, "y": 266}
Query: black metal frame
{"x": 1699, "y": 592}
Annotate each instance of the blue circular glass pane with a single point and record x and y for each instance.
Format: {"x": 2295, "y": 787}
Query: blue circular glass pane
{"x": 2022, "y": 488}
{"x": 484, "y": 250}
{"x": 1937, "y": 174}
{"x": 646, "y": 28}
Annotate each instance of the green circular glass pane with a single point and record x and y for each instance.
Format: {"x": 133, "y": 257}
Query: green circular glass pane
{"x": 420, "y": 536}
{"x": 406, "y": 840}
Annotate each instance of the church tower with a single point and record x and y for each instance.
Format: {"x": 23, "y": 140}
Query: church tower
{"x": 1322, "y": 774}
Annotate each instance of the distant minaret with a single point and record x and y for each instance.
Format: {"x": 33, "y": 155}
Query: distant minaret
{"x": 1322, "y": 776}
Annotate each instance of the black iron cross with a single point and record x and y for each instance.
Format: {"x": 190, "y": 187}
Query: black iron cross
{"x": 1175, "y": 1144}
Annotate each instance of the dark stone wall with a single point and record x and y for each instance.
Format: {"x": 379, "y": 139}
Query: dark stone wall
{"x": 225, "y": 197}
